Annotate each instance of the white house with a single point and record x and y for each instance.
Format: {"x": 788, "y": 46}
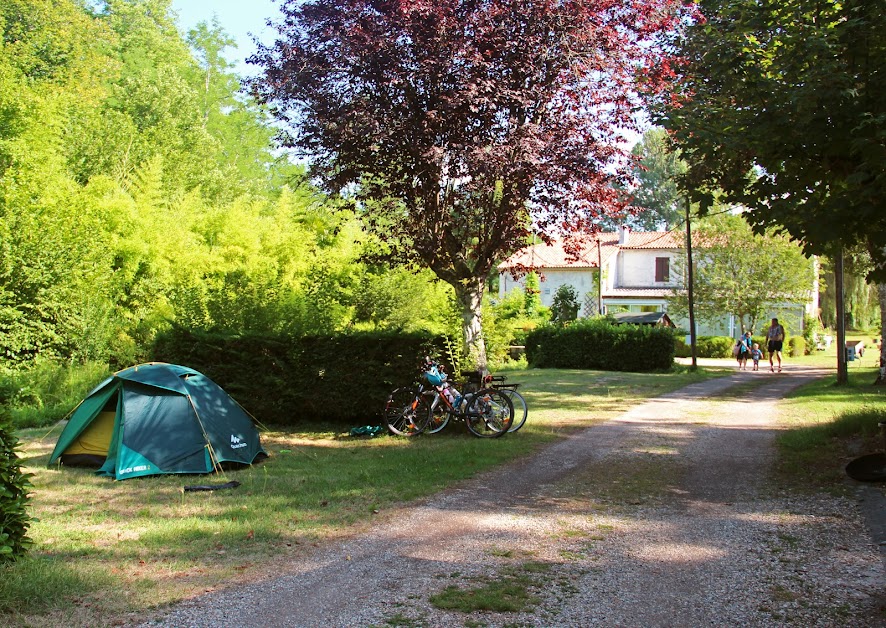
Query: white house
{"x": 639, "y": 271}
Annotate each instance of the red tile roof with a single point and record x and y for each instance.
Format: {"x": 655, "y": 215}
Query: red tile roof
{"x": 554, "y": 255}
{"x": 654, "y": 240}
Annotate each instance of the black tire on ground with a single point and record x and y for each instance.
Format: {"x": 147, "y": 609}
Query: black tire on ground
{"x": 406, "y": 413}
{"x": 489, "y": 414}
{"x": 521, "y": 411}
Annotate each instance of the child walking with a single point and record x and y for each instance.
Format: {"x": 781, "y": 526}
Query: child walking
{"x": 756, "y": 356}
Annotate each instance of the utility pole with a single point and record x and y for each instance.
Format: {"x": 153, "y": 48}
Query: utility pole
{"x": 599, "y": 278}
{"x": 689, "y": 280}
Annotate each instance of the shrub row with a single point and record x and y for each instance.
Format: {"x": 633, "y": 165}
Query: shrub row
{"x": 721, "y": 346}
{"x": 706, "y": 347}
{"x": 14, "y": 486}
{"x": 600, "y": 344}
{"x": 287, "y": 381}
{"x": 796, "y": 346}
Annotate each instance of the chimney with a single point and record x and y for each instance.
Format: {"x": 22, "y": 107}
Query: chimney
{"x": 623, "y": 233}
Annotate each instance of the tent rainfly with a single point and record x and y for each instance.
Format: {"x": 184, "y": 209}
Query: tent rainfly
{"x": 155, "y": 419}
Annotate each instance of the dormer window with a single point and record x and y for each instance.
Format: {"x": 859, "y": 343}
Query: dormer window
{"x": 662, "y": 269}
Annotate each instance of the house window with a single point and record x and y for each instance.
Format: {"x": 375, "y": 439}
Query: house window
{"x": 662, "y": 269}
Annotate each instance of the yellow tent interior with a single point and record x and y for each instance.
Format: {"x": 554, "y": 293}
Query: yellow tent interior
{"x": 91, "y": 447}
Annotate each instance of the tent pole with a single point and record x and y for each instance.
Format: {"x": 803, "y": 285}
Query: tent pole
{"x": 216, "y": 466}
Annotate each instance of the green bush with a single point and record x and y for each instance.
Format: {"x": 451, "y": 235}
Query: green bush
{"x": 707, "y": 347}
{"x": 287, "y": 381}
{"x": 811, "y": 330}
{"x": 565, "y": 306}
{"x": 711, "y": 346}
{"x": 600, "y": 344}
{"x": 14, "y": 518}
{"x": 44, "y": 392}
{"x": 715, "y": 346}
{"x": 796, "y": 346}
{"x": 681, "y": 349}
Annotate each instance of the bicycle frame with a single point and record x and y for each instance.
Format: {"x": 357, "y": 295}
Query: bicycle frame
{"x": 485, "y": 412}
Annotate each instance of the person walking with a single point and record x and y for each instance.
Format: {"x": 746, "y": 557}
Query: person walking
{"x": 756, "y": 354}
{"x": 744, "y": 350}
{"x": 775, "y": 342}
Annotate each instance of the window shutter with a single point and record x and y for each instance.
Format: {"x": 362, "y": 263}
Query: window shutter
{"x": 662, "y": 269}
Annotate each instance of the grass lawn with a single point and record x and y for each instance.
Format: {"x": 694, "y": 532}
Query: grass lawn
{"x": 828, "y": 358}
{"x": 106, "y": 550}
{"x": 829, "y": 425}
{"x": 825, "y": 425}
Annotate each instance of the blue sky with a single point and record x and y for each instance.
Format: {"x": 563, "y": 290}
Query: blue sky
{"x": 239, "y": 18}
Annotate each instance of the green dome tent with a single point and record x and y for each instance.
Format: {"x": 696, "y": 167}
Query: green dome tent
{"x": 158, "y": 418}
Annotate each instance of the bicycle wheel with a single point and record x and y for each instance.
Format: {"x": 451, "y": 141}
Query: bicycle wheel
{"x": 439, "y": 418}
{"x": 406, "y": 413}
{"x": 490, "y": 413}
{"x": 520, "y": 409}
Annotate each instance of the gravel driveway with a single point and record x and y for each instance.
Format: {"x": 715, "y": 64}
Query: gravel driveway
{"x": 665, "y": 516}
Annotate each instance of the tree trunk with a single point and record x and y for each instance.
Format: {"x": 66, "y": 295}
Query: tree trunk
{"x": 881, "y": 293}
{"x": 470, "y": 297}
{"x": 842, "y": 370}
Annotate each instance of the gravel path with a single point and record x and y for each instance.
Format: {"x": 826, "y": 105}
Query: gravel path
{"x": 665, "y": 516}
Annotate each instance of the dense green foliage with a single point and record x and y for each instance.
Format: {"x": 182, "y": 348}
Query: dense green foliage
{"x": 741, "y": 273}
{"x": 706, "y": 347}
{"x": 139, "y": 188}
{"x": 14, "y": 485}
{"x": 507, "y": 320}
{"x": 287, "y": 381}
{"x": 657, "y": 196}
{"x": 860, "y": 298}
{"x": 565, "y": 305}
{"x": 600, "y": 344}
{"x": 47, "y": 391}
{"x": 782, "y": 105}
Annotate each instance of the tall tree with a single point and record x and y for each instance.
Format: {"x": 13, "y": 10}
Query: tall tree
{"x": 744, "y": 274}
{"x": 782, "y": 104}
{"x": 49, "y": 264}
{"x": 657, "y": 196}
{"x": 462, "y": 126}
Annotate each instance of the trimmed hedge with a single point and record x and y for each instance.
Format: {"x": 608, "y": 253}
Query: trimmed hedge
{"x": 706, "y": 347}
{"x": 714, "y": 346}
{"x": 287, "y": 381}
{"x": 796, "y": 346}
{"x": 601, "y": 345}
{"x": 14, "y": 485}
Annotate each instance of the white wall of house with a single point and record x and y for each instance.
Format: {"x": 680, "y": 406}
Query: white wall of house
{"x": 550, "y": 280}
{"x": 635, "y": 268}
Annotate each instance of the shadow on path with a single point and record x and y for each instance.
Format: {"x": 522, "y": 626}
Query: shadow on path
{"x": 663, "y": 516}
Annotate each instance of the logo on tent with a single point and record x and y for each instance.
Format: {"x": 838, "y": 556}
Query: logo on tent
{"x": 237, "y": 442}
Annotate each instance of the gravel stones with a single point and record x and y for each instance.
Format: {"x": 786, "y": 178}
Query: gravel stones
{"x": 665, "y": 516}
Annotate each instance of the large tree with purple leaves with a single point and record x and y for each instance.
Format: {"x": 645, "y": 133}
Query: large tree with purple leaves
{"x": 460, "y": 127}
